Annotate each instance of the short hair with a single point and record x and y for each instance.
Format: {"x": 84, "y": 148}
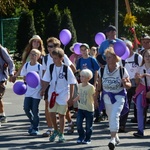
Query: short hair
{"x": 36, "y": 51}
{"x": 110, "y": 50}
{"x": 128, "y": 43}
{"x": 87, "y": 73}
{"x": 58, "y": 52}
{"x": 55, "y": 41}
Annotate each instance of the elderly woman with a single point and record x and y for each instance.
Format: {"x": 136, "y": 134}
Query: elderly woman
{"x": 113, "y": 80}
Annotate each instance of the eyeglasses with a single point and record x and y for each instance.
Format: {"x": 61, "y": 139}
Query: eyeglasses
{"x": 33, "y": 54}
{"x": 50, "y": 46}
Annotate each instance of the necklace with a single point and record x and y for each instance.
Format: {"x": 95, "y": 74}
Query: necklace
{"x": 57, "y": 75}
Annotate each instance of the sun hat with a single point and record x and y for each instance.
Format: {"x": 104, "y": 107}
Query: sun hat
{"x": 145, "y": 37}
{"x": 35, "y": 37}
{"x": 71, "y": 48}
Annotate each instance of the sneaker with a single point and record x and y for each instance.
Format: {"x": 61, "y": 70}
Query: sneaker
{"x": 111, "y": 145}
{"x": 138, "y": 134}
{"x": 97, "y": 119}
{"x": 30, "y": 129}
{"x": 3, "y": 119}
{"x": 79, "y": 141}
{"x": 86, "y": 142}
{"x": 34, "y": 132}
{"x": 70, "y": 128}
{"x": 61, "y": 138}
{"x": 53, "y": 136}
{"x": 117, "y": 140}
{"x": 148, "y": 121}
{"x": 47, "y": 133}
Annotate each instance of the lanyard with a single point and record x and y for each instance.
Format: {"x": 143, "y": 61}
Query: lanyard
{"x": 57, "y": 76}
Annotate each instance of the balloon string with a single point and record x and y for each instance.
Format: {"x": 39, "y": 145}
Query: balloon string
{"x": 64, "y": 47}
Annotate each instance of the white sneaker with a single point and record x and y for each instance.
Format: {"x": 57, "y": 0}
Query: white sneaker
{"x": 112, "y": 144}
{"x": 117, "y": 140}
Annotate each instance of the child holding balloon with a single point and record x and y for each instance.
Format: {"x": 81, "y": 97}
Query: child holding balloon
{"x": 32, "y": 95}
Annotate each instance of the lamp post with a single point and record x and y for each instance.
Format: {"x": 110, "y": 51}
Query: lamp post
{"x": 116, "y": 15}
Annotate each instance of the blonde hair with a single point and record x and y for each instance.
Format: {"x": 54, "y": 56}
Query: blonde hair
{"x": 29, "y": 48}
{"x": 87, "y": 73}
{"x": 110, "y": 50}
{"x": 36, "y": 51}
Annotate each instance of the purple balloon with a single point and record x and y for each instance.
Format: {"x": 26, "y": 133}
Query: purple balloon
{"x": 65, "y": 36}
{"x": 76, "y": 48}
{"x": 119, "y": 48}
{"x": 32, "y": 79}
{"x": 126, "y": 54}
{"x": 19, "y": 88}
{"x": 99, "y": 38}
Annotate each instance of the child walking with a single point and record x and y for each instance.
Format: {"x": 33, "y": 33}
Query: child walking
{"x": 60, "y": 91}
{"x": 32, "y": 96}
{"x": 142, "y": 78}
{"x": 85, "y": 106}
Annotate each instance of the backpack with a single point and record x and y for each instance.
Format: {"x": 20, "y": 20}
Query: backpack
{"x": 5, "y": 63}
{"x": 65, "y": 70}
{"x": 45, "y": 59}
{"x": 27, "y": 66}
{"x": 135, "y": 60}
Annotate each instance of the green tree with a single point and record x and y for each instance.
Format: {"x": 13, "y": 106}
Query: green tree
{"x": 52, "y": 24}
{"x": 67, "y": 23}
{"x": 26, "y": 30}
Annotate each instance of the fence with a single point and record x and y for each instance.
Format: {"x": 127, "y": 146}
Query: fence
{"x": 8, "y": 31}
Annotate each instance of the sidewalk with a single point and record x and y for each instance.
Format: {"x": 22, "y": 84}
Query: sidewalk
{"x": 14, "y": 136}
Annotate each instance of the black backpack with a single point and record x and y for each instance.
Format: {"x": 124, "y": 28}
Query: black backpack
{"x": 135, "y": 60}
{"x": 65, "y": 70}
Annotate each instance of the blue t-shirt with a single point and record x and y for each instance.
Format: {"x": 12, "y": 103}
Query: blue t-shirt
{"x": 106, "y": 44}
{"x": 88, "y": 63}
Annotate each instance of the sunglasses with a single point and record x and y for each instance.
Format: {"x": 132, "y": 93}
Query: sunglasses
{"x": 33, "y": 54}
{"x": 50, "y": 46}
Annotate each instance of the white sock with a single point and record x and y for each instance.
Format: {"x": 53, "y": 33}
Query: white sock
{"x": 2, "y": 114}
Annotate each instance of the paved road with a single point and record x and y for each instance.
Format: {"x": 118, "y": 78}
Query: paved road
{"x": 13, "y": 135}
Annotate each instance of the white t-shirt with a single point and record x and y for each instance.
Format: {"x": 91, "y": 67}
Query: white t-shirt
{"x": 62, "y": 87}
{"x": 131, "y": 66}
{"x": 32, "y": 92}
{"x": 67, "y": 61}
{"x": 140, "y": 70}
{"x": 112, "y": 81}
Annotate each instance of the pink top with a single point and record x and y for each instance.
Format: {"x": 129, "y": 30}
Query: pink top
{"x": 141, "y": 89}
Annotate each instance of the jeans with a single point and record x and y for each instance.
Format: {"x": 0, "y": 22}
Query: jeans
{"x": 31, "y": 108}
{"x": 85, "y": 135}
{"x": 140, "y": 113}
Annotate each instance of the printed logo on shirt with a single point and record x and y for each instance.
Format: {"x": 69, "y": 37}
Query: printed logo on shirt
{"x": 111, "y": 83}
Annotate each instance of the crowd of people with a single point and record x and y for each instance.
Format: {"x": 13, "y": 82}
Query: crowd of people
{"x": 106, "y": 85}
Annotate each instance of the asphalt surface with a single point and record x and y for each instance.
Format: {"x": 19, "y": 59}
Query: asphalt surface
{"x": 14, "y": 136}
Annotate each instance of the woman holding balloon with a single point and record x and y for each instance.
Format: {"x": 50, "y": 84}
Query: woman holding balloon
{"x": 113, "y": 95}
